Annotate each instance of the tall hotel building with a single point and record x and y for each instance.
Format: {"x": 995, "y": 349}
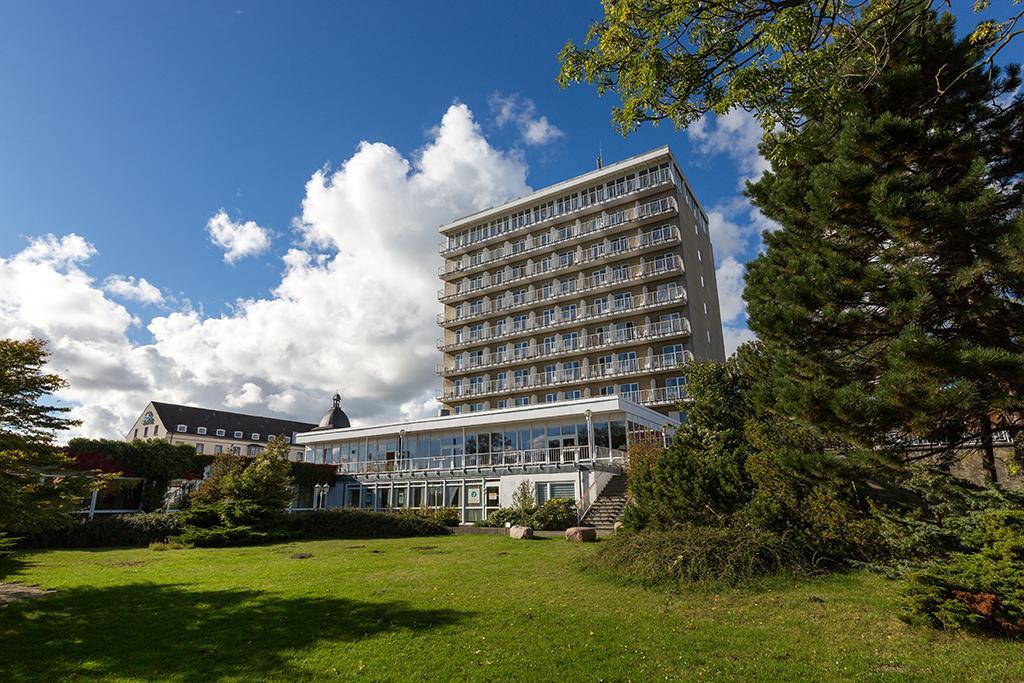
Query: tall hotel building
{"x": 597, "y": 286}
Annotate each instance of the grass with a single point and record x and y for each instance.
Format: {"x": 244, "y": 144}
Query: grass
{"x": 451, "y": 608}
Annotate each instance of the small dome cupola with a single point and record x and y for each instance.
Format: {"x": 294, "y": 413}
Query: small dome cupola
{"x": 335, "y": 418}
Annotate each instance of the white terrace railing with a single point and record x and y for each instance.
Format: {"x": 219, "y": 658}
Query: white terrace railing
{"x": 462, "y": 363}
{"x": 472, "y": 462}
{"x": 570, "y": 233}
{"x": 469, "y": 238}
{"x": 618, "y": 367}
{"x": 651, "y": 331}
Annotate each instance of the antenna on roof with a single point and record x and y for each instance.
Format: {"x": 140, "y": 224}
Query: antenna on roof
{"x": 600, "y": 157}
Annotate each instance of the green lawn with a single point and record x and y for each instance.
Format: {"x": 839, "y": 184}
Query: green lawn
{"x": 451, "y": 608}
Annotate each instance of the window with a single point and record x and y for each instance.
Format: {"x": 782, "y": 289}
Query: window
{"x": 664, "y": 233}
{"x": 476, "y": 331}
{"x": 565, "y": 233}
{"x": 520, "y": 377}
{"x": 518, "y": 247}
{"x": 675, "y": 387}
{"x": 600, "y": 305}
{"x": 199, "y": 449}
{"x": 542, "y": 239}
{"x": 519, "y": 297}
{"x": 200, "y": 430}
{"x": 570, "y": 340}
{"x": 503, "y": 403}
{"x": 607, "y": 391}
{"x": 549, "y": 373}
{"x": 568, "y": 286}
{"x": 548, "y": 291}
{"x": 544, "y": 265}
{"x": 156, "y": 429}
{"x": 665, "y": 262}
{"x": 620, "y": 272}
{"x": 618, "y": 244}
{"x": 499, "y": 328}
{"x": 521, "y": 350}
{"x": 566, "y": 258}
{"x": 476, "y": 407}
{"x": 673, "y": 353}
{"x": 519, "y": 323}
{"x": 628, "y": 362}
{"x": 630, "y": 391}
{"x": 667, "y": 291}
{"x": 217, "y": 450}
{"x": 549, "y": 316}
{"x": 573, "y": 395}
{"x": 571, "y": 370}
{"x": 220, "y": 432}
{"x": 236, "y": 450}
{"x": 501, "y": 381}
{"x": 550, "y": 398}
{"x": 145, "y": 432}
{"x": 270, "y": 437}
{"x": 136, "y": 433}
{"x": 598, "y": 278}
{"x": 238, "y": 435}
{"x": 569, "y": 312}
{"x": 555, "y": 489}
{"x": 182, "y": 428}
{"x": 522, "y": 401}
{"x": 623, "y": 301}
{"x": 597, "y": 250}
{"x": 518, "y": 271}
{"x": 549, "y": 344}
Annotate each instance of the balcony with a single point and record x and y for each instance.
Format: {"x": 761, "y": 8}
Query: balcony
{"x": 661, "y": 178}
{"x": 590, "y": 284}
{"x": 591, "y": 341}
{"x": 404, "y": 465}
{"x": 634, "y": 243}
{"x": 592, "y": 373}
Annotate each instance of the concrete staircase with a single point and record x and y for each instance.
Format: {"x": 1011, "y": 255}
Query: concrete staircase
{"x": 608, "y": 507}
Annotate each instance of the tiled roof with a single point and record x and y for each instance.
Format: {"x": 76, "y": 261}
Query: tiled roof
{"x": 192, "y": 417}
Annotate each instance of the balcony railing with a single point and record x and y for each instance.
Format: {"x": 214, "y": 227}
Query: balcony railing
{"x": 592, "y": 373}
{"x": 534, "y": 457}
{"x": 550, "y": 349}
{"x": 651, "y": 180}
{"x": 591, "y": 284}
{"x": 633, "y": 243}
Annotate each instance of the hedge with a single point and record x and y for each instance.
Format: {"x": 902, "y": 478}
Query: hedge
{"x": 105, "y": 531}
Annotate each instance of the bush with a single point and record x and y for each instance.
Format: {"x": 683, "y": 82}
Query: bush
{"x": 980, "y": 591}
{"x": 105, "y": 531}
{"x": 699, "y": 555}
{"x": 227, "y": 536}
{"x": 446, "y": 516}
{"x": 555, "y": 514}
{"x": 354, "y": 523}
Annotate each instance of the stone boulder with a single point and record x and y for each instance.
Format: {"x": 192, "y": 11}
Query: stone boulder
{"x": 581, "y": 534}
{"x": 520, "y": 532}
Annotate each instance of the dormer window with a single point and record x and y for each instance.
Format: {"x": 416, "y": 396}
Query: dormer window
{"x": 220, "y": 432}
{"x": 238, "y": 435}
{"x": 200, "y": 430}
{"x": 255, "y": 436}
{"x": 182, "y": 428}
{"x": 270, "y": 437}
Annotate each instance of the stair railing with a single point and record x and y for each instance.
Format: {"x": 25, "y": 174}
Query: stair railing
{"x": 587, "y": 501}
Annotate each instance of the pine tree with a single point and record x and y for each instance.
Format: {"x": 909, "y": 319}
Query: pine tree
{"x": 892, "y": 299}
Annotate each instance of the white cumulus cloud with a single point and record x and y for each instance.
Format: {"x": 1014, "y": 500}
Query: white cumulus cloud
{"x": 237, "y": 239}
{"x": 534, "y": 129}
{"x": 133, "y": 289}
{"x": 353, "y": 310}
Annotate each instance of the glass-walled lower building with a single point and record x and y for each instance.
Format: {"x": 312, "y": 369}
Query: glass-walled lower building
{"x": 474, "y": 462}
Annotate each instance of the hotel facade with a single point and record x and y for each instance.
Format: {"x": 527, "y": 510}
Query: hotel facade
{"x": 602, "y": 285}
{"x": 474, "y": 462}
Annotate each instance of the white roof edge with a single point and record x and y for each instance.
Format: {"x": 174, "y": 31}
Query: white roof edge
{"x": 538, "y": 411}
{"x": 557, "y": 188}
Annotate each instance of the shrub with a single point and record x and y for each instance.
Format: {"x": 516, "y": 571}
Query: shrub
{"x": 555, "y": 514}
{"x": 981, "y": 591}
{"x": 354, "y": 523}
{"x": 446, "y": 516}
{"x": 109, "y": 531}
{"x": 226, "y": 536}
{"x": 698, "y": 555}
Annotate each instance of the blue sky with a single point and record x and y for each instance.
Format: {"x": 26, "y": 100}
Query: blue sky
{"x": 131, "y": 125}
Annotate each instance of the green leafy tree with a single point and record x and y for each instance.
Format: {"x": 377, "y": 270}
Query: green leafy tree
{"x": 219, "y": 484}
{"x": 267, "y": 480}
{"x": 26, "y": 421}
{"x": 38, "y": 488}
{"x": 892, "y": 299}
{"x": 700, "y": 477}
{"x": 679, "y": 59}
